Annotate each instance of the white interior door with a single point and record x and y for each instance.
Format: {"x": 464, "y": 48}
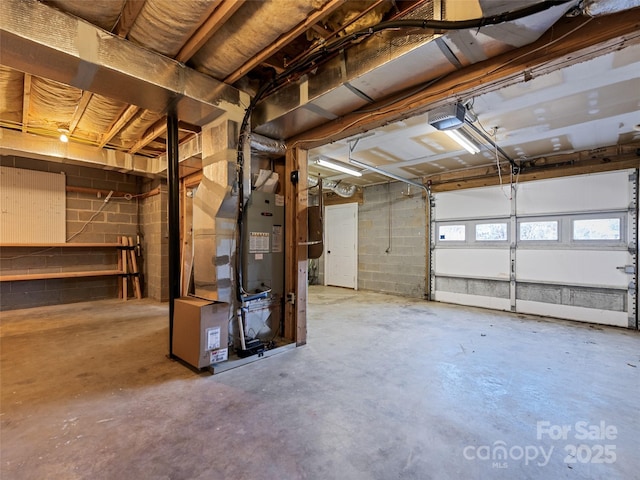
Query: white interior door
{"x": 341, "y": 245}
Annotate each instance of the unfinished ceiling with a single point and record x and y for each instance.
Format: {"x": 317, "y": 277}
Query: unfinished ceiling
{"x": 106, "y": 72}
{"x": 578, "y": 108}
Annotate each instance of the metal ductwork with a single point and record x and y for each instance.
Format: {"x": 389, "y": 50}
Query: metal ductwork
{"x": 342, "y": 189}
{"x": 191, "y": 151}
{"x": 345, "y": 190}
{"x": 369, "y": 71}
{"x": 53, "y": 150}
{"x": 215, "y": 207}
{"x": 265, "y": 146}
{"x": 596, "y": 8}
{"x": 45, "y": 42}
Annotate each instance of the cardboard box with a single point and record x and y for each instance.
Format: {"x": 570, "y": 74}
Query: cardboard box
{"x": 200, "y": 327}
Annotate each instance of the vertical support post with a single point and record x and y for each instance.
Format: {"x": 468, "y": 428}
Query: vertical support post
{"x": 513, "y": 248}
{"x": 173, "y": 181}
{"x": 296, "y": 234}
{"x": 427, "y": 240}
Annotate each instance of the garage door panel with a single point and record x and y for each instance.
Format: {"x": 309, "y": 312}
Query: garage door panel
{"x": 574, "y": 267}
{"x": 488, "y": 202}
{"x": 472, "y": 262}
{"x": 573, "y": 296}
{"x": 473, "y": 286}
{"x": 591, "y": 315}
{"x": 474, "y": 300}
{"x": 576, "y": 258}
{"x": 582, "y": 193}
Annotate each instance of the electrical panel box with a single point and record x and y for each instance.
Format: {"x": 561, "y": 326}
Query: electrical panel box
{"x": 200, "y": 331}
{"x": 263, "y": 243}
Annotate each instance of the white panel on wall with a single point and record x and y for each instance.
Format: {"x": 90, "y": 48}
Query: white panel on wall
{"x": 573, "y": 267}
{"x": 32, "y": 206}
{"x": 593, "y": 315}
{"x": 473, "y": 300}
{"x": 474, "y": 203}
{"x": 582, "y": 193}
{"x": 473, "y": 263}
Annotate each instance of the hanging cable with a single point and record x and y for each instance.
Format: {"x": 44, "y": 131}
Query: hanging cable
{"x": 389, "y": 204}
{"x": 325, "y": 51}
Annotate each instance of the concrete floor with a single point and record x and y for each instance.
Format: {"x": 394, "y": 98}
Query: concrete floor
{"x": 387, "y": 388}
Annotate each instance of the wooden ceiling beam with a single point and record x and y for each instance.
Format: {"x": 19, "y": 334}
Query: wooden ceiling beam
{"x": 323, "y": 32}
{"x": 153, "y": 132}
{"x": 211, "y": 25}
{"x": 219, "y": 11}
{"x": 284, "y": 40}
{"x": 188, "y": 127}
{"x": 122, "y": 120}
{"x": 128, "y": 15}
{"x": 82, "y": 106}
{"x": 346, "y": 25}
{"x": 569, "y": 41}
{"x": 615, "y": 157}
{"x": 26, "y": 101}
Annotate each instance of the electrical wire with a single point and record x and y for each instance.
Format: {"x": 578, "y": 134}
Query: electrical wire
{"x": 102, "y": 207}
{"x": 389, "y": 205}
{"x": 325, "y": 51}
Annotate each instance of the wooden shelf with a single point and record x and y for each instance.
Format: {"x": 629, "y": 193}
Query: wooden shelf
{"x": 56, "y": 245}
{"x": 46, "y": 276}
{"x": 51, "y": 275}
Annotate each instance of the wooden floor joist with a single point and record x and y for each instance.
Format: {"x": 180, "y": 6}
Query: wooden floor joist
{"x": 578, "y": 163}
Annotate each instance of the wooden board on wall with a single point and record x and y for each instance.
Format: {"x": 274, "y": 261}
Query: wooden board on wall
{"x": 37, "y": 196}
{"x": 332, "y": 198}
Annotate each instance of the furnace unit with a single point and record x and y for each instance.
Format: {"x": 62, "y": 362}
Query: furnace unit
{"x": 263, "y": 248}
{"x": 262, "y": 267}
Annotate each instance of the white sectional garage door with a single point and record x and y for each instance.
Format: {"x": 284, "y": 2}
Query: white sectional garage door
{"x": 564, "y": 247}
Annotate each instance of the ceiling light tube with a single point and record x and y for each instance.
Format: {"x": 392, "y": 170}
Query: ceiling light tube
{"x": 463, "y": 141}
{"x": 387, "y": 174}
{"x": 338, "y": 167}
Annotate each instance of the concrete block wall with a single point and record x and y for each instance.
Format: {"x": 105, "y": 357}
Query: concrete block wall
{"x": 118, "y": 217}
{"x": 393, "y": 263}
{"x": 155, "y": 241}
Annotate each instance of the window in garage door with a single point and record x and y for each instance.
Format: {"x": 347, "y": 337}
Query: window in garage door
{"x": 564, "y": 247}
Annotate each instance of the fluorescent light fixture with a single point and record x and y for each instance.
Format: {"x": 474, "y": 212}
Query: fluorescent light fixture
{"x": 338, "y": 167}
{"x": 463, "y": 141}
{"x": 387, "y": 174}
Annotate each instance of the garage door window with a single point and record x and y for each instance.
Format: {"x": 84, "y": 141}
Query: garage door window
{"x": 537, "y": 231}
{"x": 597, "y": 229}
{"x": 491, "y": 232}
{"x": 451, "y": 233}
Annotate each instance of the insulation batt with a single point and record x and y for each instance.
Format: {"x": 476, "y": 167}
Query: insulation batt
{"x": 346, "y": 14}
{"x": 52, "y": 103}
{"x": 11, "y": 87}
{"x": 136, "y": 128}
{"x": 253, "y": 27}
{"x": 104, "y": 13}
{"x": 165, "y": 25}
{"x": 100, "y": 114}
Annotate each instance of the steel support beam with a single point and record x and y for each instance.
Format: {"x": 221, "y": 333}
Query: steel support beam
{"x": 173, "y": 181}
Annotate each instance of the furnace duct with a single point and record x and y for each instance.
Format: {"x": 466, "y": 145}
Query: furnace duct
{"x": 215, "y": 207}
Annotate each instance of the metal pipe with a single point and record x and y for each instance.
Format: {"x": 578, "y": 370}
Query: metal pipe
{"x": 388, "y": 174}
{"x": 487, "y": 138}
{"x": 173, "y": 181}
